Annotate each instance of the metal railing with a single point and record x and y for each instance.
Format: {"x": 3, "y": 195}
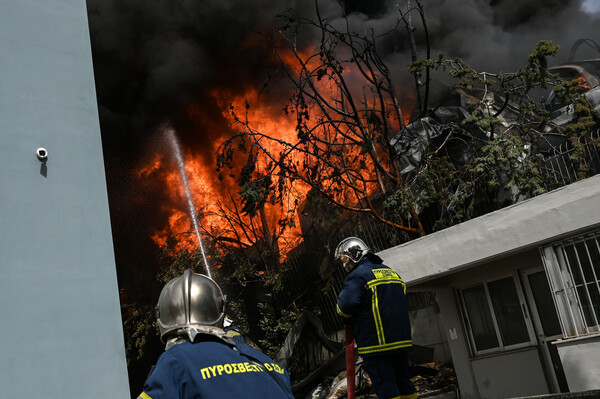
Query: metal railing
{"x": 559, "y": 167}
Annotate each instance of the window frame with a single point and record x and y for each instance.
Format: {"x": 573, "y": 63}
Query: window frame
{"x": 524, "y": 311}
{"x": 565, "y": 290}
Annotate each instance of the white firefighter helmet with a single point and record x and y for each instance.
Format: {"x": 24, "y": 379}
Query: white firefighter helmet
{"x": 351, "y": 248}
{"x": 189, "y": 300}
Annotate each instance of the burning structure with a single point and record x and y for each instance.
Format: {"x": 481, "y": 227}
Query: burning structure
{"x": 174, "y": 70}
{"x": 456, "y": 107}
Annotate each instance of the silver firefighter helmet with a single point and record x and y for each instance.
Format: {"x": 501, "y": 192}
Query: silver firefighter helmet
{"x": 351, "y": 248}
{"x": 189, "y": 300}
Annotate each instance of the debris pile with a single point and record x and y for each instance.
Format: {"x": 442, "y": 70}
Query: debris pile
{"x": 326, "y": 379}
{"x": 430, "y": 379}
{"x": 334, "y": 387}
{"x": 434, "y": 378}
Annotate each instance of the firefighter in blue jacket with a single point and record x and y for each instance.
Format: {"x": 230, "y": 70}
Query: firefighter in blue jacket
{"x": 374, "y": 301}
{"x": 200, "y": 360}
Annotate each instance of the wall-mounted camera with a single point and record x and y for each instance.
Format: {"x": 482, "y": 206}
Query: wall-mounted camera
{"x": 42, "y": 154}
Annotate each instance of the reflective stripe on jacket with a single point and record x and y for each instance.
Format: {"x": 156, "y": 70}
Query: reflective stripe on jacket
{"x": 374, "y": 299}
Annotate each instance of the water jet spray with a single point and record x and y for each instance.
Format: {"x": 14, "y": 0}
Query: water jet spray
{"x": 172, "y": 138}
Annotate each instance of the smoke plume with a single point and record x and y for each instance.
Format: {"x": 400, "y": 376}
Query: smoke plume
{"x": 153, "y": 59}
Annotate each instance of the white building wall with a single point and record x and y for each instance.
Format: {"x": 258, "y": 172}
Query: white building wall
{"x": 580, "y": 358}
{"x": 456, "y": 338}
{"x": 513, "y": 374}
{"x": 488, "y": 376}
{"x": 61, "y": 334}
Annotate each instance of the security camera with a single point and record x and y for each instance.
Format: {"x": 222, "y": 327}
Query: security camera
{"x": 42, "y": 154}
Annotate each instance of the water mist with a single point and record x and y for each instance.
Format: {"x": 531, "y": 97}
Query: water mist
{"x": 172, "y": 138}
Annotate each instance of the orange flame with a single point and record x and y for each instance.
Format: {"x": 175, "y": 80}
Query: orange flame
{"x": 582, "y": 82}
{"x": 206, "y": 188}
{"x": 209, "y": 192}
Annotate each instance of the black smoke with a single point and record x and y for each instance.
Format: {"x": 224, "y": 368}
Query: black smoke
{"x": 152, "y": 58}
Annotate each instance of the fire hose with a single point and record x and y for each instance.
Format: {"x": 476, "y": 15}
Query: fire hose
{"x": 350, "y": 361}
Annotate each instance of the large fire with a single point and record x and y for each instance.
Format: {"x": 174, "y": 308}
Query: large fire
{"x": 211, "y": 195}
{"x": 214, "y": 198}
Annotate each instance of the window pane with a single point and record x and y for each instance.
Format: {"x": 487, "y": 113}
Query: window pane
{"x": 544, "y": 304}
{"x": 588, "y": 308}
{"x": 593, "y": 288}
{"x": 593, "y": 248}
{"x": 585, "y": 261}
{"x": 573, "y": 264}
{"x": 480, "y": 318}
{"x": 507, "y": 308}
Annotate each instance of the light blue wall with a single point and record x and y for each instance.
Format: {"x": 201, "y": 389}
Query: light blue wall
{"x": 61, "y": 334}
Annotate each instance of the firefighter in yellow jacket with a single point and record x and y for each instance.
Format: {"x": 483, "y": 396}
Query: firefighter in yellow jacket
{"x": 374, "y": 301}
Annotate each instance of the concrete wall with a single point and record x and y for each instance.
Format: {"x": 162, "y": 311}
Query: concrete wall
{"x": 426, "y": 329}
{"x": 516, "y": 373}
{"x": 61, "y": 334}
{"x": 456, "y": 337}
{"x": 580, "y": 358}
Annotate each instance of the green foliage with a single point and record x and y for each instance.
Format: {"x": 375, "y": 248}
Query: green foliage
{"x": 139, "y": 323}
{"x": 255, "y": 189}
{"x": 419, "y": 66}
{"x": 536, "y": 71}
{"x": 506, "y": 167}
{"x": 275, "y": 327}
{"x": 236, "y": 311}
{"x": 466, "y": 75}
{"x": 506, "y": 164}
{"x": 432, "y": 185}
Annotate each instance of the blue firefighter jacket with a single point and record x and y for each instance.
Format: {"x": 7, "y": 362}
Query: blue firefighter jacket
{"x": 213, "y": 369}
{"x": 374, "y": 299}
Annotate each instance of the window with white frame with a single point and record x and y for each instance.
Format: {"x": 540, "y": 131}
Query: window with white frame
{"x": 573, "y": 269}
{"x": 494, "y": 316}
